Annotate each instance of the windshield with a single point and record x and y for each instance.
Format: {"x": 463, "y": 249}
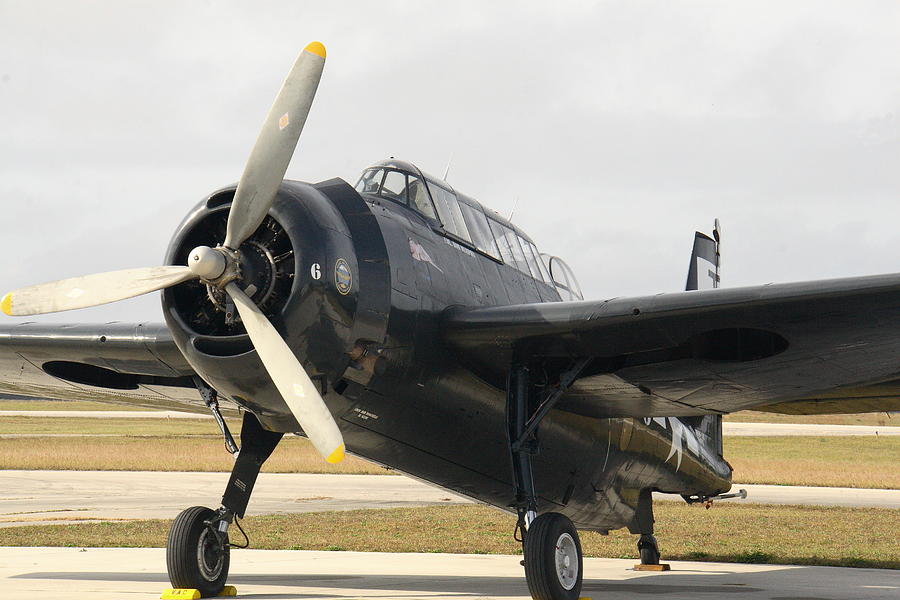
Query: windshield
{"x": 398, "y": 186}
{"x": 370, "y": 181}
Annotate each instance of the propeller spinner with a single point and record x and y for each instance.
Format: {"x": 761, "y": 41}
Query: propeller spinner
{"x": 220, "y": 267}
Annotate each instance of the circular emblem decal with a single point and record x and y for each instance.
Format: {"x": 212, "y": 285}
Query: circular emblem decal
{"x": 343, "y": 277}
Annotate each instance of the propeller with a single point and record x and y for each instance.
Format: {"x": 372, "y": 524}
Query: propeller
{"x": 220, "y": 267}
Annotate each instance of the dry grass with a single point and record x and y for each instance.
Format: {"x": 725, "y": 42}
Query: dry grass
{"x": 293, "y": 455}
{"x": 195, "y": 445}
{"x": 106, "y": 426}
{"x": 874, "y": 419}
{"x": 746, "y": 416}
{"x": 863, "y": 462}
{"x": 729, "y": 533}
{"x": 45, "y": 404}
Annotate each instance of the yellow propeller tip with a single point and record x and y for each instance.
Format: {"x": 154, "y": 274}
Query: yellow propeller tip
{"x": 6, "y": 304}
{"x": 336, "y": 456}
{"x": 316, "y": 48}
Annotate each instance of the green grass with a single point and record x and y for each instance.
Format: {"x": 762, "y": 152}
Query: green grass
{"x": 864, "y": 462}
{"x": 748, "y": 533}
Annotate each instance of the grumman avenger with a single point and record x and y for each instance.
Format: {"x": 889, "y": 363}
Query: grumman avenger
{"x": 401, "y": 321}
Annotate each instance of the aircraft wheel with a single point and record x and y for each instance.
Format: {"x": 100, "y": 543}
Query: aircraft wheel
{"x": 553, "y": 561}
{"x": 197, "y": 556}
{"x": 649, "y": 550}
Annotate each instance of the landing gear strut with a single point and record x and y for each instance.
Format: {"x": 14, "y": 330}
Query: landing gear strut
{"x": 642, "y": 523}
{"x": 550, "y": 543}
{"x": 198, "y": 549}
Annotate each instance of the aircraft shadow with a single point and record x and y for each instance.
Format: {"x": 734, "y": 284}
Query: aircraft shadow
{"x": 675, "y": 584}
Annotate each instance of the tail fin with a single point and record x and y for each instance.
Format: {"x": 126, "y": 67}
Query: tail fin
{"x": 703, "y": 272}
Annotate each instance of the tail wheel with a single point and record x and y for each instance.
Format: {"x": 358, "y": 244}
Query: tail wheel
{"x": 197, "y": 556}
{"x": 649, "y": 555}
{"x": 648, "y": 549}
{"x": 553, "y": 560}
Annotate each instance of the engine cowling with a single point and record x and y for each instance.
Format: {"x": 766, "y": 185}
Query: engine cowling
{"x": 301, "y": 269}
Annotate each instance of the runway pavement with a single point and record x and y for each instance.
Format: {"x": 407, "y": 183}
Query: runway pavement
{"x": 738, "y": 429}
{"x": 106, "y": 414}
{"x": 791, "y": 429}
{"x": 43, "y": 496}
{"x": 113, "y": 574}
{"x": 32, "y": 497}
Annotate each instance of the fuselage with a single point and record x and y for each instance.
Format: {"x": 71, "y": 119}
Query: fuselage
{"x": 372, "y": 276}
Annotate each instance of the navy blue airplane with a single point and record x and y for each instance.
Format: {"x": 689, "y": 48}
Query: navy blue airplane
{"x": 402, "y": 321}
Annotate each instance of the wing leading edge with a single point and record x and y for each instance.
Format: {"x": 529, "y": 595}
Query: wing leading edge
{"x": 122, "y": 363}
{"x": 812, "y": 347}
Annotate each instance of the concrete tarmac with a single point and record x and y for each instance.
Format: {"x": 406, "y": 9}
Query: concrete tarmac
{"x": 45, "y": 497}
{"x": 737, "y": 429}
{"x": 106, "y": 414}
{"x": 140, "y": 574}
{"x": 792, "y": 429}
{"x": 51, "y": 496}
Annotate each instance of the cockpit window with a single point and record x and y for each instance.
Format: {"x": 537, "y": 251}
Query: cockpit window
{"x": 398, "y": 186}
{"x": 480, "y": 230}
{"x": 370, "y": 181}
{"x": 418, "y": 198}
{"x": 394, "y": 186}
{"x": 510, "y": 250}
{"x": 540, "y": 261}
{"x": 563, "y": 278}
{"x": 532, "y": 258}
{"x": 448, "y": 209}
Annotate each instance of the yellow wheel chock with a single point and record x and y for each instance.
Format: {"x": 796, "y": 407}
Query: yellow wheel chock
{"x": 192, "y": 594}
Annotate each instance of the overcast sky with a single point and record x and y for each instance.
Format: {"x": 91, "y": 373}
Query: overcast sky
{"x": 615, "y": 129}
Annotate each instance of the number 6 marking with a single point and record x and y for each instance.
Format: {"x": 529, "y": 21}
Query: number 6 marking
{"x": 316, "y": 271}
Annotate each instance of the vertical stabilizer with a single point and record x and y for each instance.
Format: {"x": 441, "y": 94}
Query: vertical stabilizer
{"x": 703, "y": 271}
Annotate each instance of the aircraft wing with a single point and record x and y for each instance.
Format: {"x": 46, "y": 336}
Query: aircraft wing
{"x": 805, "y": 348}
{"x": 116, "y": 362}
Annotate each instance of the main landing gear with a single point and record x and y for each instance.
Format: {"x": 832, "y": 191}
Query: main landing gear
{"x": 198, "y": 548}
{"x": 553, "y": 558}
{"x": 642, "y": 523}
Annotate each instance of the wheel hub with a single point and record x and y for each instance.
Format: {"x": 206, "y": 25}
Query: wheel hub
{"x": 566, "y": 559}
{"x": 210, "y": 555}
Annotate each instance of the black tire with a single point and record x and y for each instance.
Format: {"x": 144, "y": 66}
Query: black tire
{"x": 194, "y": 557}
{"x": 553, "y": 534}
{"x": 649, "y": 556}
{"x": 648, "y": 550}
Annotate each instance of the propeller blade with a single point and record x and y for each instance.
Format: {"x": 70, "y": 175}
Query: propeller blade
{"x": 274, "y": 147}
{"x": 297, "y": 389}
{"x": 91, "y": 290}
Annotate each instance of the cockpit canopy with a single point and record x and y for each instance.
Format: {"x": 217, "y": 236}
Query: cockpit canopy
{"x": 463, "y": 219}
